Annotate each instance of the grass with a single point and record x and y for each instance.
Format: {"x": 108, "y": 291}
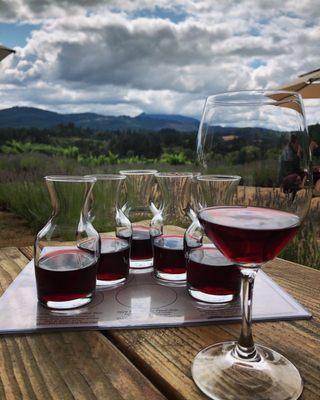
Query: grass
{"x": 23, "y": 192}
{"x": 22, "y": 187}
{"x": 305, "y": 247}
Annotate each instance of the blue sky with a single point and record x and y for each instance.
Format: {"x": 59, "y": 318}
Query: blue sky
{"x": 152, "y": 56}
{"x": 175, "y": 15}
{"x": 16, "y": 34}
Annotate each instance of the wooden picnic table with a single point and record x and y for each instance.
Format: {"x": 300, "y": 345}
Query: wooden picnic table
{"x": 147, "y": 363}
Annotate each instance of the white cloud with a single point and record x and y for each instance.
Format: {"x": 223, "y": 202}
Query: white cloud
{"x": 87, "y": 56}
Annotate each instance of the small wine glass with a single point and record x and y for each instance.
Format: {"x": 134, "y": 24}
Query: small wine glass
{"x": 262, "y": 136}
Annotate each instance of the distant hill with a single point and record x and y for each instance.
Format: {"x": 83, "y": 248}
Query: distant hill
{"x": 23, "y": 117}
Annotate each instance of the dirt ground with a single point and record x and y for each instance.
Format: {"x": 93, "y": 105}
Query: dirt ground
{"x": 14, "y": 231}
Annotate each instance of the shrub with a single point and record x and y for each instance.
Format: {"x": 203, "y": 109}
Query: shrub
{"x": 174, "y": 158}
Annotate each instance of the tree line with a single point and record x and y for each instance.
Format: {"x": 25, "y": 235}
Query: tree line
{"x": 167, "y": 145}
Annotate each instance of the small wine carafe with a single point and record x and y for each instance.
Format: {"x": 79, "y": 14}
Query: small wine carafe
{"x": 67, "y": 248}
{"x": 109, "y": 220}
{"x": 169, "y": 224}
{"x": 210, "y": 276}
{"x": 139, "y": 186}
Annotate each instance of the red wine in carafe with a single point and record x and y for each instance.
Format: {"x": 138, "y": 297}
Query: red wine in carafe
{"x": 209, "y": 272}
{"x": 65, "y": 275}
{"x": 168, "y": 254}
{"x": 141, "y": 247}
{"x": 114, "y": 259}
{"x": 140, "y": 240}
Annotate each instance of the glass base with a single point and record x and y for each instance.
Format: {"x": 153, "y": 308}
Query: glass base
{"x": 210, "y": 298}
{"x": 68, "y": 305}
{"x": 222, "y": 376}
{"x": 137, "y": 264}
{"x": 113, "y": 283}
{"x": 176, "y": 278}
{"x": 141, "y": 271}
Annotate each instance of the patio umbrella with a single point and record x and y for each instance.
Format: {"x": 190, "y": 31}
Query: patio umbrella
{"x": 308, "y": 85}
{"x": 4, "y": 52}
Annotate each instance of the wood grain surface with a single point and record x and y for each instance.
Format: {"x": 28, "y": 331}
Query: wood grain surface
{"x": 63, "y": 366}
{"x": 164, "y": 356}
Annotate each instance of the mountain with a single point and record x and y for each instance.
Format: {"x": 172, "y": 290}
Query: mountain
{"x": 23, "y": 117}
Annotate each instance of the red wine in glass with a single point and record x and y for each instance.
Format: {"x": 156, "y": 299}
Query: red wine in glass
{"x": 249, "y": 235}
{"x": 113, "y": 265}
{"x": 211, "y": 277}
{"x": 66, "y": 276}
{"x": 169, "y": 258}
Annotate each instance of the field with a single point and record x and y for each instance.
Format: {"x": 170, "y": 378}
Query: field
{"x": 23, "y": 192}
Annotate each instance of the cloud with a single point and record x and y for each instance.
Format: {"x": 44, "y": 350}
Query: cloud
{"x": 87, "y": 56}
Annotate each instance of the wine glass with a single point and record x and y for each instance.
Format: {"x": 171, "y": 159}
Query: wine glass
{"x": 261, "y": 136}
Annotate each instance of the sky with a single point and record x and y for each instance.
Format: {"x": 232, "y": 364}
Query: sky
{"x": 124, "y": 57}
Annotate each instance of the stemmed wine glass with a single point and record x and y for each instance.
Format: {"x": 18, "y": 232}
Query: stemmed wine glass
{"x": 262, "y": 136}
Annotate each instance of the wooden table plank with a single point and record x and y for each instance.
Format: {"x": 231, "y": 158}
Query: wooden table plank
{"x": 69, "y": 365}
{"x": 165, "y": 355}
{"x": 27, "y": 251}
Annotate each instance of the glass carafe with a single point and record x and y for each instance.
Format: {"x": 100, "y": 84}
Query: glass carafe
{"x": 169, "y": 224}
{"x": 108, "y": 219}
{"x": 139, "y": 191}
{"x": 210, "y": 276}
{"x": 67, "y": 249}
{"x": 208, "y": 191}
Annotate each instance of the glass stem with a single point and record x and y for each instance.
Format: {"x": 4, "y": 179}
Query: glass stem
{"x": 245, "y": 348}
